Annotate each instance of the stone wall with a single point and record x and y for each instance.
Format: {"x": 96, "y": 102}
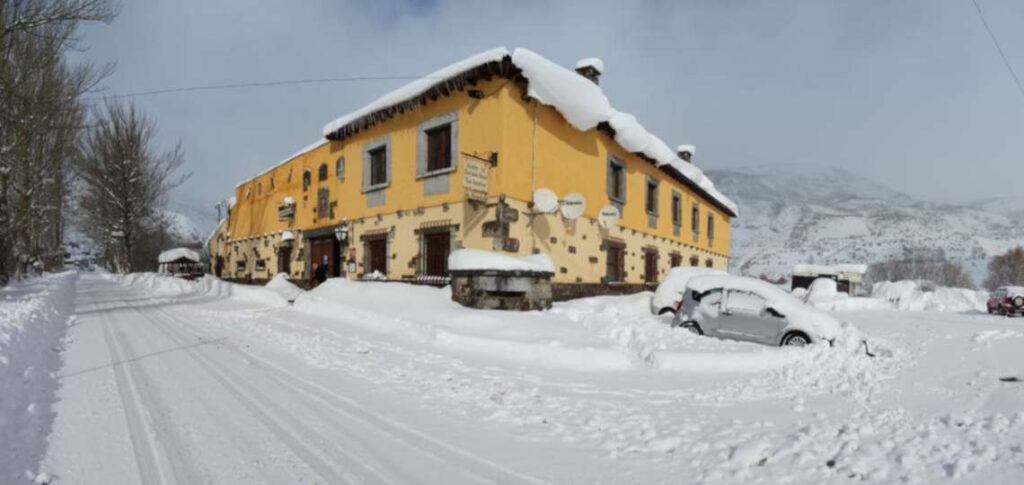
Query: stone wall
{"x": 507, "y": 290}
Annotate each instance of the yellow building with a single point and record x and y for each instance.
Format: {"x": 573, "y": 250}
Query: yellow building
{"x": 458, "y": 159}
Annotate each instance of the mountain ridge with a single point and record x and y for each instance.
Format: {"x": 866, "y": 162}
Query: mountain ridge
{"x": 800, "y": 213}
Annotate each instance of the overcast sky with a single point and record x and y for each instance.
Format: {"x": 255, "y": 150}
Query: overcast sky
{"x": 912, "y": 93}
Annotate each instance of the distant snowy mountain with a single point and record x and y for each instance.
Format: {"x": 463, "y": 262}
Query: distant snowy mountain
{"x": 182, "y": 228}
{"x": 809, "y": 214}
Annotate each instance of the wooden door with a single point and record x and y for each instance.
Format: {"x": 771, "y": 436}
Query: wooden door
{"x": 376, "y": 255}
{"x": 284, "y": 260}
{"x": 436, "y": 246}
{"x": 323, "y": 252}
{"x": 650, "y": 266}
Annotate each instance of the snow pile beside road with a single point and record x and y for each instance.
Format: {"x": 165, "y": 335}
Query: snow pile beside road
{"x": 276, "y": 293}
{"x": 599, "y": 334}
{"x": 908, "y": 295}
{"x": 824, "y": 295}
{"x": 34, "y": 316}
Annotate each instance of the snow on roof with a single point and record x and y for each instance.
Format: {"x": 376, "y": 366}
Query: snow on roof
{"x": 214, "y": 231}
{"x": 476, "y": 260}
{"x": 594, "y": 62}
{"x": 1014, "y": 290}
{"x": 579, "y": 100}
{"x": 830, "y": 269}
{"x": 177, "y": 253}
{"x": 418, "y": 87}
{"x": 287, "y": 236}
{"x": 686, "y": 148}
{"x": 303, "y": 151}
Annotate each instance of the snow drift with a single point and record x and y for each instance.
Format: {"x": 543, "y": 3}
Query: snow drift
{"x": 908, "y": 295}
{"x": 34, "y": 316}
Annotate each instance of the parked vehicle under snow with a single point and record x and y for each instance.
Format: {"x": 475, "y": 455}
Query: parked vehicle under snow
{"x": 739, "y": 308}
{"x": 669, "y": 294}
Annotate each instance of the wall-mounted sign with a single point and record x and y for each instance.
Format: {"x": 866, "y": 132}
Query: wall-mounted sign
{"x": 474, "y": 178}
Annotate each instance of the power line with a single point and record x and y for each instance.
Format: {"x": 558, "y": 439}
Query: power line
{"x": 212, "y": 87}
{"x": 999, "y": 48}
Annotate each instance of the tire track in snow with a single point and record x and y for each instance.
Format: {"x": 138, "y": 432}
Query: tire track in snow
{"x": 170, "y": 443}
{"x": 452, "y": 456}
{"x": 141, "y": 436}
{"x": 278, "y": 420}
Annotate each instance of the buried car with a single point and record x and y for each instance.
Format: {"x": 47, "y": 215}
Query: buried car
{"x": 669, "y": 295}
{"x": 739, "y": 308}
{"x": 1007, "y": 300}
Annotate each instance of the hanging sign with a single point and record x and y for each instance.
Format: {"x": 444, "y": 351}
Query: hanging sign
{"x": 474, "y": 178}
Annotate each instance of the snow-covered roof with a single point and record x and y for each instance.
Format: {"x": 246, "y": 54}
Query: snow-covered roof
{"x": 479, "y": 260}
{"x": 594, "y": 62}
{"x": 830, "y": 269}
{"x": 215, "y": 230}
{"x": 579, "y": 100}
{"x": 287, "y": 236}
{"x": 303, "y": 151}
{"x": 175, "y": 254}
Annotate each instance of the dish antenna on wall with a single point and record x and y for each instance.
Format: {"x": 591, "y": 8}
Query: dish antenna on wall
{"x": 573, "y": 206}
{"x": 545, "y": 201}
{"x": 609, "y": 216}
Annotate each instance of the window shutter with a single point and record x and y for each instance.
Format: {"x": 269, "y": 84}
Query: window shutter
{"x": 453, "y": 147}
{"x": 366, "y": 169}
{"x": 421, "y": 151}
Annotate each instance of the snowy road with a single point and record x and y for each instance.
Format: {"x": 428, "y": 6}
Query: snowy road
{"x": 168, "y": 385}
{"x": 151, "y": 397}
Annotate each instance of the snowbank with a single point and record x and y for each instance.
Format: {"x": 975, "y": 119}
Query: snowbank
{"x": 278, "y": 292}
{"x": 824, "y": 295}
{"x": 475, "y": 259}
{"x": 34, "y": 316}
{"x": 908, "y": 295}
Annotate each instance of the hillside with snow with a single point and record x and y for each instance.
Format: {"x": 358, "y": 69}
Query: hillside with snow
{"x": 793, "y": 214}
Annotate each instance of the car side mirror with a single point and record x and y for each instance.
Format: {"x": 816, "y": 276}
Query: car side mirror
{"x": 773, "y": 312}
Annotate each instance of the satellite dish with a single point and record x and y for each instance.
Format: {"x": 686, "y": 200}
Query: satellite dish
{"x": 545, "y": 201}
{"x": 609, "y": 216}
{"x": 573, "y": 206}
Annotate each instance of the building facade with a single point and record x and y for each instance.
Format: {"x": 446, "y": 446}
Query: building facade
{"x": 454, "y": 161}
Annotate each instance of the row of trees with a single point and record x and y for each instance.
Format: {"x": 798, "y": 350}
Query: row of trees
{"x": 59, "y": 156}
{"x": 1005, "y": 269}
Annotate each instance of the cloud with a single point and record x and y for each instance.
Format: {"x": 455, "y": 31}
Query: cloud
{"x": 907, "y": 92}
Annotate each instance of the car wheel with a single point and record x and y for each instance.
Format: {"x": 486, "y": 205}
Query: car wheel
{"x": 795, "y": 339}
{"x": 693, "y": 328}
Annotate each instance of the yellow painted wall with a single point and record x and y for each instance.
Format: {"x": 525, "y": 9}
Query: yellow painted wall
{"x": 568, "y": 160}
{"x": 526, "y": 135}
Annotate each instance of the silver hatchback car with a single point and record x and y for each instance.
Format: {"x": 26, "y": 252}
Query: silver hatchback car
{"x": 739, "y": 308}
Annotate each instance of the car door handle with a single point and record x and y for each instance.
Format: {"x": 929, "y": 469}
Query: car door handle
{"x": 726, "y": 312}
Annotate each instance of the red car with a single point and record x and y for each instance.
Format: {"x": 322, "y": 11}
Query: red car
{"x": 1007, "y": 300}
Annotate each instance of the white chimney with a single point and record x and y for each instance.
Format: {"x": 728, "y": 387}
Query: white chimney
{"x": 590, "y": 68}
{"x": 686, "y": 152}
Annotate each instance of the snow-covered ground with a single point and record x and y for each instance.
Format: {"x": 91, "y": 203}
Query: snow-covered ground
{"x": 34, "y": 316}
{"x": 169, "y": 381}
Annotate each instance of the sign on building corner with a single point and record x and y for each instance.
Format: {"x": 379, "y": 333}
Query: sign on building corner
{"x": 474, "y": 178}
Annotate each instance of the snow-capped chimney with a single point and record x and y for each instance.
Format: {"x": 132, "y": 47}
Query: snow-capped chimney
{"x": 590, "y": 68}
{"x": 686, "y": 152}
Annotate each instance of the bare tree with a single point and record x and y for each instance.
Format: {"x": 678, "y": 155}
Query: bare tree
{"x": 1006, "y": 269}
{"x": 40, "y": 121}
{"x": 125, "y": 184}
{"x": 922, "y": 265}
